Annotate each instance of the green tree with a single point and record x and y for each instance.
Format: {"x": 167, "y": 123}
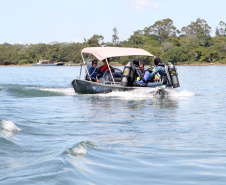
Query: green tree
{"x": 217, "y": 32}
{"x": 163, "y": 29}
{"x": 198, "y": 32}
{"x": 138, "y": 32}
{"x": 115, "y": 38}
{"x": 194, "y": 45}
{"x": 222, "y": 28}
{"x": 179, "y": 55}
{"x": 199, "y": 28}
{"x": 167, "y": 46}
{"x": 137, "y": 39}
{"x": 95, "y": 40}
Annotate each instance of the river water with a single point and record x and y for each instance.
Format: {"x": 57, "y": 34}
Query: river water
{"x": 51, "y": 135}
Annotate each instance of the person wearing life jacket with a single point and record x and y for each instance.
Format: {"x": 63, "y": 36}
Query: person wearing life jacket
{"x": 159, "y": 68}
{"x": 150, "y": 75}
{"x": 146, "y": 73}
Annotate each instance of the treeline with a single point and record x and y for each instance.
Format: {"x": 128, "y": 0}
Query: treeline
{"x": 191, "y": 44}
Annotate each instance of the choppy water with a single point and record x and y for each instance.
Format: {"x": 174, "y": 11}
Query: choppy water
{"x": 51, "y": 135}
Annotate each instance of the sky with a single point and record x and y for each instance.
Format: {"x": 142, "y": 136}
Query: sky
{"x": 47, "y": 21}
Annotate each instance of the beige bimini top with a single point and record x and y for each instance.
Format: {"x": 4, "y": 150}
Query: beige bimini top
{"x": 102, "y": 53}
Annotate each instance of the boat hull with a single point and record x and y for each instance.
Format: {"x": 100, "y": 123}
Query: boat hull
{"x": 88, "y": 87}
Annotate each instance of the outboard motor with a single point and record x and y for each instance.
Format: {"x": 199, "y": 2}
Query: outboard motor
{"x": 173, "y": 75}
{"x": 126, "y": 74}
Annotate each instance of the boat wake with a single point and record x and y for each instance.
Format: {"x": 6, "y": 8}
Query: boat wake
{"x": 139, "y": 94}
{"x": 179, "y": 94}
{"x": 59, "y": 91}
{"x": 32, "y": 91}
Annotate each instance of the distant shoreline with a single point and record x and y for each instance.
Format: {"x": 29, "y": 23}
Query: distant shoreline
{"x": 201, "y": 64}
{"x": 178, "y": 64}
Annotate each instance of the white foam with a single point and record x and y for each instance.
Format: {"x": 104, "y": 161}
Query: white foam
{"x": 9, "y": 126}
{"x": 79, "y": 150}
{"x": 134, "y": 94}
{"x": 148, "y": 93}
{"x": 187, "y": 93}
{"x": 65, "y": 91}
{"x": 184, "y": 93}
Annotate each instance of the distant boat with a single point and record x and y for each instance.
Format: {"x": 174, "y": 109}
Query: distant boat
{"x": 42, "y": 62}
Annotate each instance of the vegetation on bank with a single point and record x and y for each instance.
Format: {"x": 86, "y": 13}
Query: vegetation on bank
{"x": 191, "y": 44}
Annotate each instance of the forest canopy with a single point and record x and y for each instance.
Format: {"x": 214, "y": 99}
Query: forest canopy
{"x": 192, "y": 44}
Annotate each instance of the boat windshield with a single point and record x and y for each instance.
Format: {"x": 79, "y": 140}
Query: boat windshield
{"x": 116, "y": 73}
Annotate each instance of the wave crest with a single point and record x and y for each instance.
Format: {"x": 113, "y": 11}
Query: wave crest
{"x": 9, "y": 126}
{"x": 81, "y": 148}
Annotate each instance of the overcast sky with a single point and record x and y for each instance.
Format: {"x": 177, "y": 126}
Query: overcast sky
{"x": 46, "y": 21}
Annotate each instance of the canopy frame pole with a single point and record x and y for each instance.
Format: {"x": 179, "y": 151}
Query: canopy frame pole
{"x": 85, "y": 66}
{"x": 80, "y": 70}
{"x": 110, "y": 71}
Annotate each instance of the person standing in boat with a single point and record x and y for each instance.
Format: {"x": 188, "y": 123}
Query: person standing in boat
{"x": 92, "y": 72}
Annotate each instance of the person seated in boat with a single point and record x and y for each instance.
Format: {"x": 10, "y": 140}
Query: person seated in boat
{"x": 151, "y": 75}
{"x": 146, "y": 73}
{"x": 92, "y": 72}
{"x": 159, "y": 68}
{"x": 148, "y": 78}
{"x": 136, "y": 73}
{"x": 142, "y": 68}
{"x": 104, "y": 68}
